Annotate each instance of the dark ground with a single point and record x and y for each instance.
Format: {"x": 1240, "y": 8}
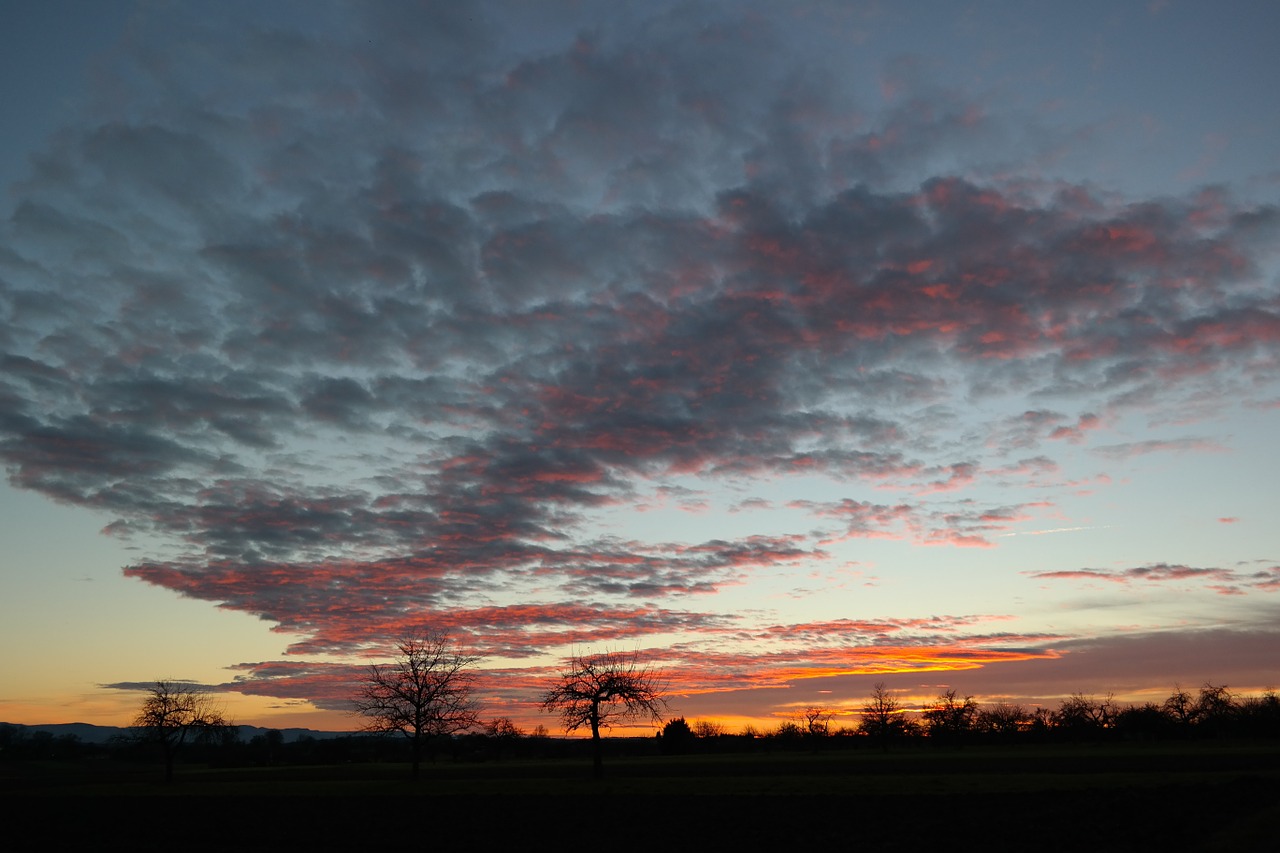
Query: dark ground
{"x": 1180, "y": 797}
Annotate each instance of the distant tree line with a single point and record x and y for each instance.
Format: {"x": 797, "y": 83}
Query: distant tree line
{"x": 496, "y": 740}
{"x": 1213, "y": 712}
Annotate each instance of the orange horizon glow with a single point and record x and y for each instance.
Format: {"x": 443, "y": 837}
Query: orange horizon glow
{"x": 118, "y": 711}
{"x": 846, "y": 713}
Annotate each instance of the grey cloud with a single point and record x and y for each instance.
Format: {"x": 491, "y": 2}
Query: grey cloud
{"x": 423, "y": 297}
{"x": 1156, "y": 445}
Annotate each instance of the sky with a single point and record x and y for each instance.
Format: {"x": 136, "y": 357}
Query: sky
{"x": 792, "y": 347}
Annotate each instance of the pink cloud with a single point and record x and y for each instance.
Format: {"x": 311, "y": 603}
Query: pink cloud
{"x": 1076, "y": 434}
{"x": 1223, "y": 581}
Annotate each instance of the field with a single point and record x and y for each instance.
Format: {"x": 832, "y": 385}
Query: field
{"x": 1189, "y": 796}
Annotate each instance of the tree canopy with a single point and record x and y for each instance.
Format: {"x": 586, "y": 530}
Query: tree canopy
{"x": 426, "y": 692}
{"x": 597, "y": 690}
{"x": 173, "y": 711}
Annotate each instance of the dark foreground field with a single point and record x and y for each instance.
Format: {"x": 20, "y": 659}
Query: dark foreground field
{"x": 1173, "y": 797}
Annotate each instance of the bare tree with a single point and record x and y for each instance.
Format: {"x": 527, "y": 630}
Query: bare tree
{"x": 601, "y": 689}
{"x": 1081, "y": 715}
{"x": 425, "y": 693}
{"x": 1215, "y": 708}
{"x": 814, "y": 723}
{"x": 503, "y": 728}
{"x": 951, "y": 718}
{"x": 788, "y": 731}
{"x": 817, "y": 721}
{"x": 174, "y": 711}
{"x": 708, "y": 729}
{"x": 503, "y": 734}
{"x": 1180, "y": 707}
{"x": 883, "y": 717}
{"x": 1003, "y": 720}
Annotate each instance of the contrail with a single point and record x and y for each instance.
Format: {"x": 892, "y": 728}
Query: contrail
{"x": 1056, "y": 530}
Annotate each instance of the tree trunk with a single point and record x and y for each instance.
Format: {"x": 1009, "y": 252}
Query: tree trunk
{"x": 597, "y": 749}
{"x": 416, "y": 752}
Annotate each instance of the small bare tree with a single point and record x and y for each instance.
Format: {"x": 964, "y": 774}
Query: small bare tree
{"x": 172, "y": 712}
{"x": 1180, "y": 707}
{"x": 502, "y": 734}
{"x": 503, "y": 728}
{"x": 708, "y": 729}
{"x": 1003, "y": 720}
{"x": 1082, "y": 715}
{"x": 817, "y": 721}
{"x": 425, "y": 693}
{"x": 600, "y": 689}
{"x": 883, "y": 718}
{"x": 951, "y": 718}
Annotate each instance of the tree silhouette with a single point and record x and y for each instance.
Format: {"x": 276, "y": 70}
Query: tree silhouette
{"x": 425, "y": 693}
{"x": 1143, "y": 722}
{"x": 709, "y": 729}
{"x": 817, "y": 721}
{"x": 1003, "y": 720}
{"x": 1180, "y": 707}
{"x": 600, "y": 689}
{"x": 677, "y": 736}
{"x": 882, "y": 716}
{"x": 172, "y": 712}
{"x": 503, "y": 728}
{"x": 503, "y": 733}
{"x": 787, "y": 732}
{"x": 951, "y": 718}
{"x": 1083, "y": 716}
{"x": 1215, "y": 708}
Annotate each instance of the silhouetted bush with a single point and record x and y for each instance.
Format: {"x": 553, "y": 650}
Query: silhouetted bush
{"x": 677, "y": 737}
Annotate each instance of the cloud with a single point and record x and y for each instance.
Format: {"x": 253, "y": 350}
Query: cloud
{"x": 373, "y": 328}
{"x": 963, "y": 523}
{"x": 766, "y": 658}
{"x": 1132, "y": 663}
{"x": 1156, "y": 445}
{"x": 1225, "y": 581}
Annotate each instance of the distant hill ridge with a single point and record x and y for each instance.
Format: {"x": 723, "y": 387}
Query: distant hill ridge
{"x": 89, "y": 733}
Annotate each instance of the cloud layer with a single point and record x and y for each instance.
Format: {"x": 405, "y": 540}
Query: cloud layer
{"x": 366, "y": 330}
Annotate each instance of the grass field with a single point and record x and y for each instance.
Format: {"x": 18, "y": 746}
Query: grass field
{"x": 1191, "y": 796}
